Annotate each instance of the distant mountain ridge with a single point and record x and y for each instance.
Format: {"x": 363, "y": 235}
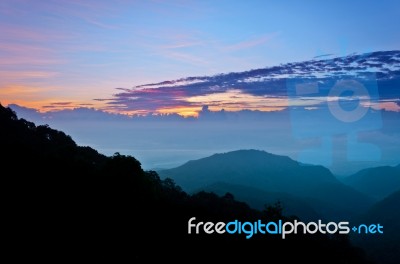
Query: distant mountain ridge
{"x": 250, "y": 165}
{"x": 378, "y": 182}
{"x": 386, "y": 248}
{"x": 272, "y": 173}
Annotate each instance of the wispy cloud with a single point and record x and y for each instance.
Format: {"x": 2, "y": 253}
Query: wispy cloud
{"x": 323, "y": 55}
{"x": 262, "y": 89}
{"x": 187, "y": 100}
{"x": 183, "y": 44}
{"x": 60, "y": 50}
{"x": 24, "y": 47}
{"x": 61, "y": 103}
{"x": 393, "y": 106}
{"x": 174, "y": 45}
{"x": 7, "y": 76}
{"x": 235, "y": 100}
{"x": 92, "y": 12}
{"x": 103, "y": 99}
{"x": 250, "y": 43}
{"x": 27, "y": 34}
{"x": 186, "y": 57}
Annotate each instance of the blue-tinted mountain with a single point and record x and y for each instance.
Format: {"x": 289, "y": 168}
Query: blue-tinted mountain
{"x": 272, "y": 173}
{"x": 384, "y": 248}
{"x": 378, "y": 182}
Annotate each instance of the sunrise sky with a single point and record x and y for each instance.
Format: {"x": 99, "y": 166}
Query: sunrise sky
{"x": 65, "y": 54}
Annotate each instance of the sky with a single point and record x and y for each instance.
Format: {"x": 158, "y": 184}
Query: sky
{"x": 65, "y": 54}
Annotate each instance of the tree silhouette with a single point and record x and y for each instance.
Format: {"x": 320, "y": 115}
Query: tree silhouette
{"x": 71, "y": 199}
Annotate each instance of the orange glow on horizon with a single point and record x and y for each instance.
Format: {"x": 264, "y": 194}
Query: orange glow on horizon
{"x": 38, "y": 98}
{"x": 388, "y": 106}
{"x": 185, "y": 111}
{"x": 240, "y": 108}
{"x": 46, "y": 99}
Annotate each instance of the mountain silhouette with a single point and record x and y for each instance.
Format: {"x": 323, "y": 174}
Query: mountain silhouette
{"x": 384, "y": 248}
{"x": 258, "y": 198}
{"x": 74, "y": 202}
{"x": 273, "y": 173}
{"x": 378, "y": 182}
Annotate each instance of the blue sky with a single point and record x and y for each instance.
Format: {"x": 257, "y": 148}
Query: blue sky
{"x": 75, "y": 51}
